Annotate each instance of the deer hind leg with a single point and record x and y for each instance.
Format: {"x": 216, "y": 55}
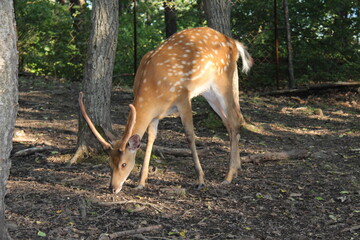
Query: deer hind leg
{"x": 232, "y": 118}
{"x": 185, "y": 111}
{"x": 152, "y": 132}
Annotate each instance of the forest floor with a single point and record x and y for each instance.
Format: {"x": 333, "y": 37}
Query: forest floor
{"x": 317, "y": 197}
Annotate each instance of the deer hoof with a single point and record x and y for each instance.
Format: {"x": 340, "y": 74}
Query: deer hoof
{"x": 225, "y": 182}
{"x": 199, "y": 186}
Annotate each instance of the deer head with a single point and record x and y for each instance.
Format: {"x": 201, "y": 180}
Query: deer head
{"x": 122, "y": 152}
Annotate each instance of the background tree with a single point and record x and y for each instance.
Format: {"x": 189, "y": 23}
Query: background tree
{"x": 98, "y": 73}
{"x": 289, "y": 45}
{"x": 217, "y": 14}
{"x": 8, "y": 98}
{"x": 170, "y": 18}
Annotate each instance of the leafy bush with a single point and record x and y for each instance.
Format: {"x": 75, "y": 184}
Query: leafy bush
{"x": 47, "y": 43}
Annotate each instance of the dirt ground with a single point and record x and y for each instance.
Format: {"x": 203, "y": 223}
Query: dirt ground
{"x": 317, "y": 197}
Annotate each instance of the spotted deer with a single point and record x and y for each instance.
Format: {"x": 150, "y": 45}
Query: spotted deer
{"x": 198, "y": 61}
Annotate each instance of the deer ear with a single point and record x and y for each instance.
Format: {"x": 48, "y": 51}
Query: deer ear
{"x": 134, "y": 142}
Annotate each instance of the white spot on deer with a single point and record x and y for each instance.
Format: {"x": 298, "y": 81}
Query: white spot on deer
{"x": 185, "y": 55}
{"x": 170, "y": 74}
{"x": 208, "y": 64}
{"x": 141, "y": 99}
{"x": 170, "y": 47}
{"x": 190, "y": 72}
{"x": 172, "y": 89}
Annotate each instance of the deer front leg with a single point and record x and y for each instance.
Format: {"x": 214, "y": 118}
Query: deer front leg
{"x": 152, "y": 132}
{"x": 187, "y": 121}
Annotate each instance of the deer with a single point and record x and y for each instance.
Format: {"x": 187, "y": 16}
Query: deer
{"x": 192, "y": 62}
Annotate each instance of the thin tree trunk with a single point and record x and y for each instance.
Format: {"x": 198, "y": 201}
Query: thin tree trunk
{"x": 289, "y": 46}
{"x": 217, "y": 14}
{"x": 8, "y": 99}
{"x": 170, "y": 18}
{"x": 98, "y": 73}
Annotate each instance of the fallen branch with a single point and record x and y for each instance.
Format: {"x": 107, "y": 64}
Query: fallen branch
{"x": 275, "y": 156}
{"x": 29, "y": 151}
{"x": 106, "y": 236}
{"x": 313, "y": 88}
{"x": 130, "y": 202}
{"x": 174, "y": 151}
{"x": 353, "y": 228}
{"x": 254, "y": 158}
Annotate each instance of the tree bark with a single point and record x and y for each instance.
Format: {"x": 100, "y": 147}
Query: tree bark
{"x": 217, "y": 14}
{"x": 8, "y": 99}
{"x": 289, "y": 46}
{"x": 170, "y": 18}
{"x": 98, "y": 73}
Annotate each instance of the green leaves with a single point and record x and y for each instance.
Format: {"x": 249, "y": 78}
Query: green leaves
{"x": 41, "y": 234}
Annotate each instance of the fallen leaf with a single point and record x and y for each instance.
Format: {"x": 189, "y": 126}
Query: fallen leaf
{"x": 41, "y": 234}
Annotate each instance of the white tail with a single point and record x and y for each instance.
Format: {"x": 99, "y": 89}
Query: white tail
{"x": 199, "y": 61}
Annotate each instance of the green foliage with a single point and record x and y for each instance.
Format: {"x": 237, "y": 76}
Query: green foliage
{"x": 325, "y": 39}
{"x": 150, "y": 31}
{"x": 47, "y": 40}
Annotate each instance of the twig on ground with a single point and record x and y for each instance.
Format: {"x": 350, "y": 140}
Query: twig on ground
{"x": 105, "y": 236}
{"x": 32, "y": 150}
{"x": 174, "y": 151}
{"x": 129, "y": 202}
{"x": 275, "y": 156}
{"x": 82, "y": 207}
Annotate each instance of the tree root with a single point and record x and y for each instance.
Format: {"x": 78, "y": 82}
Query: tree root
{"x": 80, "y": 153}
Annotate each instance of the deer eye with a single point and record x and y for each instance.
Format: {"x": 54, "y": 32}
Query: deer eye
{"x": 123, "y": 165}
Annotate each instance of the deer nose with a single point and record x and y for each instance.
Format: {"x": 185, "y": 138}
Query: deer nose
{"x": 114, "y": 190}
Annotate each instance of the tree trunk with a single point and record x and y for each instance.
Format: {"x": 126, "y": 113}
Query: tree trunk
{"x": 8, "y": 98}
{"x": 98, "y": 73}
{"x": 170, "y": 18}
{"x": 217, "y": 14}
{"x": 289, "y": 46}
